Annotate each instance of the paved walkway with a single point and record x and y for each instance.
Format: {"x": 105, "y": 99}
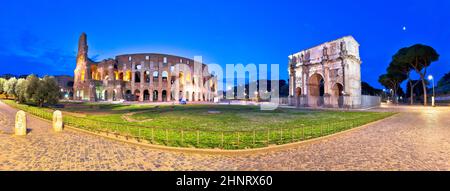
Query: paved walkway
{"x": 416, "y": 139}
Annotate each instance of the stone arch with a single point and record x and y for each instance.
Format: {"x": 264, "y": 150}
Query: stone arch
{"x": 128, "y": 95}
{"x": 164, "y": 75}
{"x": 137, "y": 94}
{"x": 146, "y": 95}
{"x": 128, "y": 75}
{"x": 105, "y": 95}
{"x": 188, "y": 77}
{"x": 181, "y": 78}
{"x": 147, "y": 76}
{"x": 337, "y": 95}
{"x": 164, "y": 95}
{"x": 155, "y": 95}
{"x": 137, "y": 77}
{"x": 120, "y": 75}
{"x": 94, "y": 72}
{"x": 114, "y": 94}
{"x": 298, "y": 91}
{"x": 338, "y": 89}
{"x": 316, "y": 90}
{"x": 82, "y": 75}
{"x": 316, "y": 85}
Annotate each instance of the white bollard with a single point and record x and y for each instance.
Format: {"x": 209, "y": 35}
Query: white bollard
{"x": 57, "y": 121}
{"x": 20, "y": 123}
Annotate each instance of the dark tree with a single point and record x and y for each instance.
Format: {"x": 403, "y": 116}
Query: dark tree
{"x": 392, "y": 80}
{"x": 367, "y": 89}
{"x": 418, "y": 57}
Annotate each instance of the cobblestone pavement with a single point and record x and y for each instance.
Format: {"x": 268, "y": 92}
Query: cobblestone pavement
{"x": 416, "y": 139}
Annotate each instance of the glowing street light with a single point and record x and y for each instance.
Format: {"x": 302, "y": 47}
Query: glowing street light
{"x": 430, "y": 77}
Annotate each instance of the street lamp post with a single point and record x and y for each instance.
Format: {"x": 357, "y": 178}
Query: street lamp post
{"x": 430, "y": 77}
{"x": 391, "y": 91}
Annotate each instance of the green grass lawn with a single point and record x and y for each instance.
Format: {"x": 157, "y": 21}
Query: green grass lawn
{"x": 233, "y": 127}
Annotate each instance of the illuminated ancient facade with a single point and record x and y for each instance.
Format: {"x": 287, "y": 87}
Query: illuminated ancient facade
{"x": 327, "y": 75}
{"x": 141, "y": 77}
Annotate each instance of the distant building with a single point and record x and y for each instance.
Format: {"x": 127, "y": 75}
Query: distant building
{"x": 65, "y": 83}
{"x": 141, "y": 77}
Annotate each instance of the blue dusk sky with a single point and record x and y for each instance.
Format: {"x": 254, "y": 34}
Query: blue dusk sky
{"x": 41, "y": 36}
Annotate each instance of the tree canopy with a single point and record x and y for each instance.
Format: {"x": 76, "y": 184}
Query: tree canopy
{"x": 414, "y": 58}
{"x": 2, "y": 83}
{"x": 33, "y": 90}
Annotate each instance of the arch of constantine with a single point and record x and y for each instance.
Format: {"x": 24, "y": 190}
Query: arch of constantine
{"x": 327, "y": 75}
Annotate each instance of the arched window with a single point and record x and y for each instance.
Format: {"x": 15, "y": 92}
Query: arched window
{"x": 181, "y": 78}
{"x": 82, "y": 74}
{"x": 116, "y": 75}
{"x": 147, "y": 76}
{"x": 188, "y": 77}
{"x": 165, "y": 75}
{"x": 155, "y": 75}
{"x": 137, "y": 77}
{"x": 121, "y": 76}
{"x": 128, "y": 76}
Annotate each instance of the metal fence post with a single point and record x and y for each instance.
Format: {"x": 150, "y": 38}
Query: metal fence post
{"x": 128, "y": 131}
{"x": 292, "y": 134}
{"x": 321, "y": 129}
{"x": 198, "y": 137}
{"x": 281, "y": 135}
{"x": 328, "y": 128}
{"x": 182, "y": 137}
{"x": 238, "y": 138}
{"x": 222, "y": 141}
{"x": 254, "y": 137}
{"x": 153, "y": 134}
{"x": 167, "y": 136}
{"x": 139, "y": 134}
{"x": 303, "y": 133}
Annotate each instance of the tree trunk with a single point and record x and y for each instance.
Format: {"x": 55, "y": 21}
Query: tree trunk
{"x": 411, "y": 96}
{"x": 394, "y": 98}
{"x": 411, "y": 89}
{"x": 424, "y": 92}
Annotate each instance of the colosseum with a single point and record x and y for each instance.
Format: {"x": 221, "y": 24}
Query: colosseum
{"x": 141, "y": 77}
